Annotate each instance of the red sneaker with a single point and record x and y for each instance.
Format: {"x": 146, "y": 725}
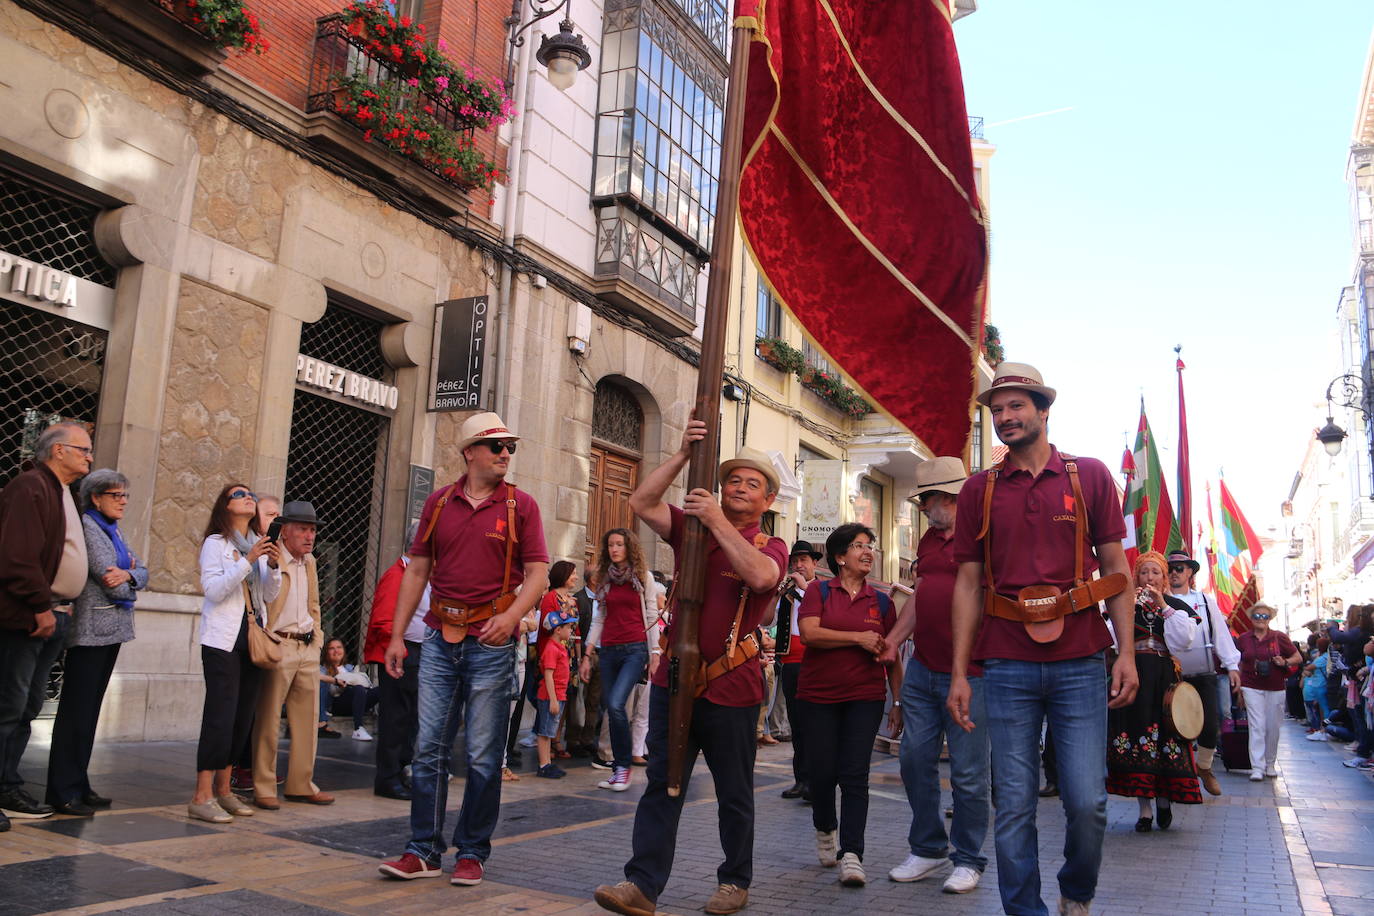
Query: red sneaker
{"x": 410, "y": 866}
{"x": 241, "y": 778}
{"x": 467, "y": 872}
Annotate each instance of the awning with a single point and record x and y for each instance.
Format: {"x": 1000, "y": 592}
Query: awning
{"x": 1364, "y": 555}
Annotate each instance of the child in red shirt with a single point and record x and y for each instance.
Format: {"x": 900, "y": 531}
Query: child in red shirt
{"x": 554, "y": 673}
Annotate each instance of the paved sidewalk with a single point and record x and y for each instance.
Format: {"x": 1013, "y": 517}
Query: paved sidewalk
{"x": 1303, "y": 843}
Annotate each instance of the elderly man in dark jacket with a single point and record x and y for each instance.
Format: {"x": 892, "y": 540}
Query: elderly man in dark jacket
{"x": 42, "y": 568}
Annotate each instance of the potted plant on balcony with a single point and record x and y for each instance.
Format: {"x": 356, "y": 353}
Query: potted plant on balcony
{"x": 992, "y": 345}
{"x": 227, "y": 23}
{"x": 779, "y": 354}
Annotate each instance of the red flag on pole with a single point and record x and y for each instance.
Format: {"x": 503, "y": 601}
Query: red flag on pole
{"x": 858, "y": 203}
{"x": 1185, "y": 476}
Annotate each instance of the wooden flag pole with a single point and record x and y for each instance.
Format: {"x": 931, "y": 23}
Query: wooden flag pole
{"x": 686, "y": 671}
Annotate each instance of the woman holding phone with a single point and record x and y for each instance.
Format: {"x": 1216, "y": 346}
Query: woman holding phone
{"x": 229, "y": 560}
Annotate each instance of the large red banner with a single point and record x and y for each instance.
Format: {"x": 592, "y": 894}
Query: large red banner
{"x": 858, "y": 202}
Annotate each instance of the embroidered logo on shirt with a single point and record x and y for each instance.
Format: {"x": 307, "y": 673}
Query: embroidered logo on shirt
{"x": 1068, "y": 502}
{"x": 501, "y": 526}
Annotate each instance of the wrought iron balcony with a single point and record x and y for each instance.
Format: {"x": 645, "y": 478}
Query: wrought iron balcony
{"x": 161, "y": 28}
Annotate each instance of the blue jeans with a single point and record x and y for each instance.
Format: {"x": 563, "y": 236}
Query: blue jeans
{"x": 25, "y": 662}
{"x": 1073, "y": 695}
{"x": 466, "y": 684}
{"x": 621, "y": 668}
{"x": 924, "y": 721}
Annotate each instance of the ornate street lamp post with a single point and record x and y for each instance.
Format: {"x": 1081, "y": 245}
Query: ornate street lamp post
{"x": 1331, "y": 436}
{"x": 564, "y": 54}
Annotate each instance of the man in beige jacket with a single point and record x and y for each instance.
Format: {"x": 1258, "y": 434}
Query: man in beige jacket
{"x": 295, "y": 618}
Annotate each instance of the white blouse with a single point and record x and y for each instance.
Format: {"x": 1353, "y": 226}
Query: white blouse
{"x": 222, "y": 571}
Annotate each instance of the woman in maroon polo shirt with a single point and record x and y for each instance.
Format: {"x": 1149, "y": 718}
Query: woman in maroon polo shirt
{"x": 1264, "y": 659}
{"x": 841, "y": 692}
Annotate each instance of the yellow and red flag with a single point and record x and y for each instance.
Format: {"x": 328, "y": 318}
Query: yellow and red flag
{"x": 857, "y": 198}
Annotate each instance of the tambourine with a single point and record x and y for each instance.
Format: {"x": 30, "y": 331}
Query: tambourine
{"x": 1183, "y": 710}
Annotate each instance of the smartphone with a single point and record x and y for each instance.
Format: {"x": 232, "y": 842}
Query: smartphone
{"x": 273, "y": 530}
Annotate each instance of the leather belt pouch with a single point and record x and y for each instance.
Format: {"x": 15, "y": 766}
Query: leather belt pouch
{"x": 455, "y": 617}
{"x": 1041, "y": 608}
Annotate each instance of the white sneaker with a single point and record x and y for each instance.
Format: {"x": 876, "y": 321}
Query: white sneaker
{"x": 361, "y": 734}
{"x": 1257, "y": 776}
{"x": 963, "y": 879}
{"x": 1319, "y": 736}
{"x": 618, "y": 781}
{"x": 852, "y": 871}
{"x": 1270, "y": 771}
{"x": 915, "y": 867}
{"x": 529, "y": 740}
{"x": 827, "y": 849}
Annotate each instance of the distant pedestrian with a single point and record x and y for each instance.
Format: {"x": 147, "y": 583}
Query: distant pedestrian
{"x": 791, "y": 652}
{"x": 43, "y": 566}
{"x": 1265, "y": 655}
{"x": 345, "y": 689}
{"x": 102, "y": 621}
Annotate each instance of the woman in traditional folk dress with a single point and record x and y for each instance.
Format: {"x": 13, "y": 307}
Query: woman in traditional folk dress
{"x": 1146, "y": 759}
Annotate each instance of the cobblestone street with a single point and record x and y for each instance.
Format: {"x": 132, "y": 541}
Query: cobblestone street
{"x": 1300, "y": 843}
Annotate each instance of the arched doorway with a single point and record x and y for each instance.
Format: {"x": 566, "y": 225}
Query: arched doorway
{"x": 617, "y": 445}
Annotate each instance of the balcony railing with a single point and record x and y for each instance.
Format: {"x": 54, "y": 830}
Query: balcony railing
{"x": 975, "y": 128}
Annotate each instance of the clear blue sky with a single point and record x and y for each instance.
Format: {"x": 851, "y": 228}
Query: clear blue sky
{"x": 1194, "y": 194}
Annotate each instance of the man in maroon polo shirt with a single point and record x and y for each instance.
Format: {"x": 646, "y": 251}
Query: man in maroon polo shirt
{"x": 1053, "y": 520}
{"x": 743, "y": 569}
{"x": 479, "y": 539}
{"x": 921, "y": 717}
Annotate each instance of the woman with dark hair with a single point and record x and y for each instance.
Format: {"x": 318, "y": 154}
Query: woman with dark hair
{"x": 841, "y": 691}
{"x": 623, "y": 639}
{"x": 1349, "y": 643}
{"x": 102, "y": 620}
{"x": 1146, "y": 759}
{"x": 344, "y": 689}
{"x": 235, "y": 584}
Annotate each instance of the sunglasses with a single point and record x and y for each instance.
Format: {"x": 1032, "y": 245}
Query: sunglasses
{"x": 1179, "y": 567}
{"x": 498, "y": 445}
{"x": 240, "y": 494}
{"x": 1259, "y": 616}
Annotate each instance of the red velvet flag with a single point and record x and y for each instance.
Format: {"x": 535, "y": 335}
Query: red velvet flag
{"x": 857, "y": 198}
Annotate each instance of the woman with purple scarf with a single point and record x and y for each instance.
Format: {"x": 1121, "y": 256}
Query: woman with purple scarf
{"x": 102, "y": 621}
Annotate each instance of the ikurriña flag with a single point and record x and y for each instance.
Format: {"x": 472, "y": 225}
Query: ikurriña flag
{"x": 1147, "y": 497}
{"x": 857, "y": 198}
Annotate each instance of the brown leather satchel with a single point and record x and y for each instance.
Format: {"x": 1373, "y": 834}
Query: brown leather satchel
{"x": 1041, "y": 609}
{"x": 455, "y": 616}
{"x": 264, "y": 647}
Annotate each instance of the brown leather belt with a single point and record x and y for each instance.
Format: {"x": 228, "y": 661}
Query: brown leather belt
{"x": 306, "y": 638}
{"x": 1045, "y": 603}
{"x": 455, "y": 616}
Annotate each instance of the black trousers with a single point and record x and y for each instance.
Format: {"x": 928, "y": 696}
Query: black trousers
{"x": 725, "y": 736}
{"x": 796, "y": 719}
{"x": 838, "y": 754}
{"x": 398, "y": 719}
{"x": 85, "y": 677}
{"x": 528, "y": 694}
{"x": 231, "y": 695}
{"x": 1206, "y": 686}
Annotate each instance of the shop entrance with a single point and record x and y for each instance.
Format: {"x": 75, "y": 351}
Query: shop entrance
{"x": 337, "y": 462}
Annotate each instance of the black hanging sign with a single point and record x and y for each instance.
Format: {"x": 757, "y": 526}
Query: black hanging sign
{"x": 460, "y": 338}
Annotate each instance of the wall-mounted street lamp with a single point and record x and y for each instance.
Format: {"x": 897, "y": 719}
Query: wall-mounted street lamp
{"x": 1331, "y": 436}
{"x": 564, "y": 54}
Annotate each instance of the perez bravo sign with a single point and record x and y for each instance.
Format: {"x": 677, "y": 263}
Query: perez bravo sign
{"x": 345, "y": 384}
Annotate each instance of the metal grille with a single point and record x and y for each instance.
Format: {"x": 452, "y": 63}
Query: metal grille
{"x": 50, "y": 370}
{"x": 617, "y": 417}
{"x": 337, "y": 462}
{"x": 348, "y": 340}
{"x": 44, "y": 226}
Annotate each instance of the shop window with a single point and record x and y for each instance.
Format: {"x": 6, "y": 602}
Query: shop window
{"x": 52, "y": 229}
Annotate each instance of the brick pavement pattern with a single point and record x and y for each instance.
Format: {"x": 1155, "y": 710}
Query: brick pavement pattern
{"x": 1301, "y": 843}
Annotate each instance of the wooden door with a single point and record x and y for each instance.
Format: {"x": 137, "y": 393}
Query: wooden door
{"x": 614, "y": 478}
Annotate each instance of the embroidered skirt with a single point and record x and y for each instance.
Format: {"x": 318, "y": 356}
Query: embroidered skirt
{"x": 1145, "y": 758}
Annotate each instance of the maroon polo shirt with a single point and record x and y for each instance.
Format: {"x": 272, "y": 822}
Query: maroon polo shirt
{"x": 468, "y": 545}
{"x": 935, "y": 571}
{"x": 744, "y": 685}
{"x": 624, "y": 616}
{"x": 844, "y": 673}
{"x": 1253, "y": 650}
{"x": 1033, "y": 544}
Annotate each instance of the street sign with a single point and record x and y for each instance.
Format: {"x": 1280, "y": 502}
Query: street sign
{"x": 460, "y": 337}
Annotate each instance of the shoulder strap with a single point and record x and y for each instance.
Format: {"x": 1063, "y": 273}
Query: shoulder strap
{"x": 1080, "y": 517}
{"x": 825, "y": 591}
{"x": 985, "y": 535}
{"x": 510, "y": 537}
{"x": 884, "y": 603}
{"x": 438, "y": 508}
